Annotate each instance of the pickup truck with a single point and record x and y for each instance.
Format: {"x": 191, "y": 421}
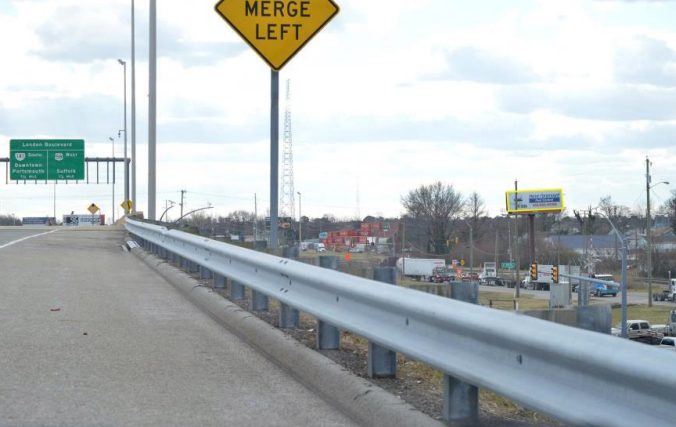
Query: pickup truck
{"x": 641, "y": 331}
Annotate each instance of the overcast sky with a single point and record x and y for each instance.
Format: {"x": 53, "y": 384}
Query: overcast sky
{"x": 392, "y": 94}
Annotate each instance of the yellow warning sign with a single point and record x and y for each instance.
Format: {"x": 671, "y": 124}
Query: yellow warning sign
{"x": 277, "y": 29}
{"x": 127, "y": 205}
{"x": 93, "y": 208}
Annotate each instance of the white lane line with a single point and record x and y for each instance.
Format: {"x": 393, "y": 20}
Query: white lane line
{"x": 26, "y": 238}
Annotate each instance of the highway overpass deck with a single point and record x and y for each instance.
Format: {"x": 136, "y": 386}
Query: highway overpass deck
{"x": 92, "y": 336}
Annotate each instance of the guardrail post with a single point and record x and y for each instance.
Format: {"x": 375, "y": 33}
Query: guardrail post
{"x": 193, "y": 267}
{"x": 328, "y": 336}
{"x": 259, "y": 301}
{"x": 382, "y": 362}
{"x": 461, "y": 399}
{"x": 289, "y": 317}
{"x": 219, "y": 281}
{"x": 237, "y": 291}
{"x": 205, "y": 273}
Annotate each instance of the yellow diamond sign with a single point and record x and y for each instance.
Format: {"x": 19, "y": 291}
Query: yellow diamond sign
{"x": 277, "y": 29}
{"x": 93, "y": 208}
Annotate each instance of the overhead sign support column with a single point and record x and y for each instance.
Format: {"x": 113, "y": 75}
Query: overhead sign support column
{"x": 277, "y": 31}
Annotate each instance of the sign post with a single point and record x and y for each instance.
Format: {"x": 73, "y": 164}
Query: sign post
{"x": 276, "y": 31}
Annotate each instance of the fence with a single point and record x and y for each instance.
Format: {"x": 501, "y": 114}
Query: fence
{"x": 576, "y": 376}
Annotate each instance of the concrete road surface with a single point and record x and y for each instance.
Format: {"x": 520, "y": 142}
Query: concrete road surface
{"x": 8, "y": 235}
{"x": 90, "y": 336}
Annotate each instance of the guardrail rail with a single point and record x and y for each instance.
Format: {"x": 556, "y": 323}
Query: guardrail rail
{"x": 573, "y": 375}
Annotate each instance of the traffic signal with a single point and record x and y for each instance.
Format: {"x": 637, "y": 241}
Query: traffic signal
{"x": 555, "y": 274}
{"x": 534, "y": 271}
{"x": 457, "y": 240}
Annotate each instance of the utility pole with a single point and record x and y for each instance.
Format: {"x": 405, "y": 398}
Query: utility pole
{"x": 182, "y": 193}
{"x": 648, "y": 233}
{"x": 516, "y": 239}
{"x": 255, "y": 220}
{"x": 403, "y": 254}
{"x": 496, "y": 248}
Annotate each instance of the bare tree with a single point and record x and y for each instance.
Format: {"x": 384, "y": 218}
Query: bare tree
{"x": 612, "y": 210}
{"x": 670, "y": 210}
{"x": 432, "y": 208}
{"x": 475, "y": 211}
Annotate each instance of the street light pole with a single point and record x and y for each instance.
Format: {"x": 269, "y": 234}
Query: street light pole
{"x": 113, "y": 207}
{"x": 624, "y": 275}
{"x": 152, "y": 112}
{"x": 300, "y": 221}
{"x": 649, "y": 231}
{"x": 133, "y": 108}
{"x": 126, "y": 164}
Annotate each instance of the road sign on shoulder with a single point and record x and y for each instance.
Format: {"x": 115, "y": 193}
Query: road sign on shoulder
{"x": 508, "y": 265}
{"x": 277, "y": 30}
{"x": 127, "y": 205}
{"x": 93, "y": 208}
{"x": 462, "y": 262}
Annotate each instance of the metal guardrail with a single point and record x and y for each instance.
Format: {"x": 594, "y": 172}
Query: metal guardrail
{"x": 576, "y": 376}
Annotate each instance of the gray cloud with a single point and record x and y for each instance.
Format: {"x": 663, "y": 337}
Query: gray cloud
{"x": 82, "y": 35}
{"x": 92, "y": 117}
{"x": 97, "y": 117}
{"x": 620, "y": 103}
{"x": 471, "y": 64}
{"x": 651, "y": 61}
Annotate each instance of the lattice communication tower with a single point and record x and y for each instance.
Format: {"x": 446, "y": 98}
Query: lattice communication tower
{"x": 287, "y": 202}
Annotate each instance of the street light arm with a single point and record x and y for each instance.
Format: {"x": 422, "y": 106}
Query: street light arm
{"x": 196, "y": 210}
{"x": 165, "y": 211}
{"x": 620, "y": 236}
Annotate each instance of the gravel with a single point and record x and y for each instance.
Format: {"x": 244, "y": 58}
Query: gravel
{"x": 414, "y": 384}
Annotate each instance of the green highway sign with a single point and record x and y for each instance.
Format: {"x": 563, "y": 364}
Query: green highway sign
{"x": 508, "y": 265}
{"x": 46, "y": 159}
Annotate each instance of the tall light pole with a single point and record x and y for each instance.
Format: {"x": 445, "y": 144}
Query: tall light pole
{"x": 300, "y": 222}
{"x": 152, "y": 111}
{"x": 624, "y": 275}
{"x": 648, "y": 230}
{"x": 471, "y": 252}
{"x": 113, "y": 207}
{"x": 133, "y": 108}
{"x": 126, "y": 164}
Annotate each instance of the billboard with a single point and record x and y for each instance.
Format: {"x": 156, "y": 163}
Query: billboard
{"x": 83, "y": 220}
{"x": 43, "y": 220}
{"x": 544, "y": 200}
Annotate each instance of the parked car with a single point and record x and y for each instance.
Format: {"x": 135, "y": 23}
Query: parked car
{"x": 668, "y": 343}
{"x": 440, "y": 275}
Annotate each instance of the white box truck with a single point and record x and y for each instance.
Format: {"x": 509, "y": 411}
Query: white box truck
{"x": 419, "y": 268}
{"x": 489, "y": 274}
